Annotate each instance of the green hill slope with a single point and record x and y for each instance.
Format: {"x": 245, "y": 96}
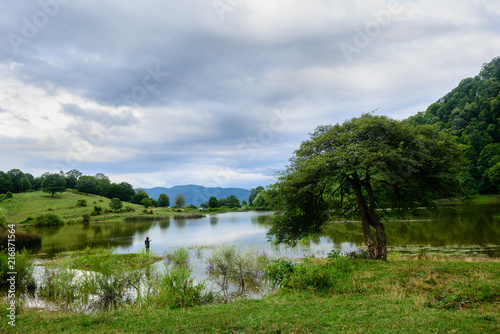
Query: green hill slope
{"x": 471, "y": 112}
{"x": 32, "y": 204}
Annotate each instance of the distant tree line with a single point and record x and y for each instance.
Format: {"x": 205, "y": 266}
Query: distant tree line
{"x": 16, "y": 181}
{"x": 257, "y": 199}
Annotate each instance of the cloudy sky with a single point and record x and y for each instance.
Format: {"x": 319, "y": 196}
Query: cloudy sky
{"x": 218, "y": 92}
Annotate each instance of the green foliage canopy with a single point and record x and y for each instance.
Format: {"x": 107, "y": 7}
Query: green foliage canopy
{"x": 357, "y": 168}
{"x": 180, "y": 201}
{"x": 54, "y": 183}
{"x": 163, "y": 201}
{"x": 115, "y": 204}
{"x": 471, "y": 112}
{"x": 213, "y": 202}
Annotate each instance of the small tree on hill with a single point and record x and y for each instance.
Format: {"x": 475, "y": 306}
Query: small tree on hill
{"x": 54, "y": 183}
{"x": 146, "y": 202}
{"x": 163, "y": 201}
{"x": 213, "y": 202}
{"x": 180, "y": 201}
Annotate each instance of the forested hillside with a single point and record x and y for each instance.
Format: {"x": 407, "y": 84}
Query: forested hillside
{"x": 198, "y": 194}
{"x": 471, "y": 112}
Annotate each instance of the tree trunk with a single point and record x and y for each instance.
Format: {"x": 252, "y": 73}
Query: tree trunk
{"x": 369, "y": 218}
{"x": 375, "y": 222}
{"x": 365, "y": 219}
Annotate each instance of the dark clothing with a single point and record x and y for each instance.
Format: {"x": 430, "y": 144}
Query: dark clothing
{"x": 146, "y": 243}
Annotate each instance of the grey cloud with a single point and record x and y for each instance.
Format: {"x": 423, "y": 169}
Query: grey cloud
{"x": 228, "y": 76}
{"x": 87, "y": 115}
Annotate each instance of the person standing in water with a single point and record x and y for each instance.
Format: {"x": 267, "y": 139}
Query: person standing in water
{"x": 146, "y": 243}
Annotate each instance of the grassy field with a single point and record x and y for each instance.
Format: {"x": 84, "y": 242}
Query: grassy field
{"x": 434, "y": 295}
{"x": 64, "y": 205}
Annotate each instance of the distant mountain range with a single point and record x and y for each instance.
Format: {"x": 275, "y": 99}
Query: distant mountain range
{"x": 197, "y": 194}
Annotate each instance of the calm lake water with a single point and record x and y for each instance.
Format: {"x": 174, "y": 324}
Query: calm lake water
{"x": 462, "y": 229}
{"x": 456, "y": 229}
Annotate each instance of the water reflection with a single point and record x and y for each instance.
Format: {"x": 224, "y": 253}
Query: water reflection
{"x": 453, "y": 226}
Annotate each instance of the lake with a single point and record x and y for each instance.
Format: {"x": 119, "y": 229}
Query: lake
{"x": 465, "y": 229}
{"x": 460, "y": 230}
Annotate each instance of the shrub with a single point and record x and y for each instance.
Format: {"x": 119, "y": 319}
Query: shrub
{"x": 320, "y": 275}
{"x": 279, "y": 271}
{"x": 86, "y": 218}
{"x": 115, "y": 204}
{"x": 9, "y": 195}
{"x": 48, "y": 219}
{"x": 81, "y": 202}
{"x": 27, "y": 220}
{"x": 97, "y": 211}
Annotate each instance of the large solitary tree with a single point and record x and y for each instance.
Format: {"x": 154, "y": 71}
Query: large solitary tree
{"x": 364, "y": 167}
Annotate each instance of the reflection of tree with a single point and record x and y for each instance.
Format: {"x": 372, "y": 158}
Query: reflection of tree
{"x": 214, "y": 220}
{"x": 164, "y": 223}
{"x": 103, "y": 234}
{"x": 180, "y": 222}
{"x": 261, "y": 220}
{"x": 452, "y": 226}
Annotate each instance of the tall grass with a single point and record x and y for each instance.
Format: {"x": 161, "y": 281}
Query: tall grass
{"x": 105, "y": 281}
{"x": 180, "y": 256}
{"x": 23, "y": 267}
{"x": 236, "y": 271}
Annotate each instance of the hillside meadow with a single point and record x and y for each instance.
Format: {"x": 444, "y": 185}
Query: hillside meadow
{"x": 65, "y": 205}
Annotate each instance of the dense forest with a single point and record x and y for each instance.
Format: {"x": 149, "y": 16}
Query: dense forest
{"x": 471, "y": 112}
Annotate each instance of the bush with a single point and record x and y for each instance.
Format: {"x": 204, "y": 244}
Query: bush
{"x": 279, "y": 271}
{"x": 27, "y": 220}
{"x": 115, "y": 204}
{"x": 9, "y": 195}
{"x": 97, "y": 211}
{"x": 48, "y": 219}
{"x": 320, "y": 275}
{"x": 81, "y": 202}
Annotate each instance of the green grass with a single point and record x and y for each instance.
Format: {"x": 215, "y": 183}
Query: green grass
{"x": 64, "y": 205}
{"x": 437, "y": 295}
